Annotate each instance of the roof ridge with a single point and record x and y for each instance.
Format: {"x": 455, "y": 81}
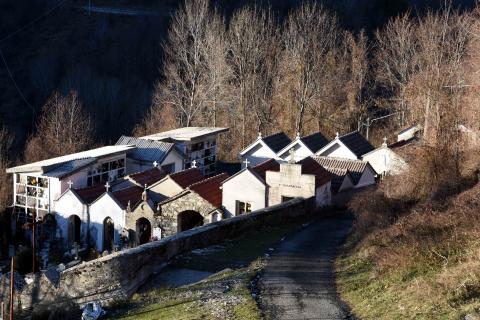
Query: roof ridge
{"x": 207, "y": 179}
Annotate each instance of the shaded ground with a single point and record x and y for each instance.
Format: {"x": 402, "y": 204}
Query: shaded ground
{"x": 210, "y": 283}
{"x": 299, "y": 280}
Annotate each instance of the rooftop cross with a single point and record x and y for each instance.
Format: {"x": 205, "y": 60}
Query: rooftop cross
{"x": 384, "y": 144}
{"x": 246, "y": 163}
{"x": 70, "y": 184}
{"x": 292, "y": 156}
{"x": 337, "y": 135}
{"x": 298, "y": 135}
{"x": 107, "y": 186}
{"x": 155, "y": 164}
{"x": 259, "y": 135}
{"x": 194, "y": 163}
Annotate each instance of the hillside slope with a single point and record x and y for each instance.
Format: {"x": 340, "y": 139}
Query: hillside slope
{"x": 423, "y": 266}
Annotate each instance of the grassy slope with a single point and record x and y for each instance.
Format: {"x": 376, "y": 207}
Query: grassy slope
{"x": 225, "y": 295}
{"x": 424, "y": 266}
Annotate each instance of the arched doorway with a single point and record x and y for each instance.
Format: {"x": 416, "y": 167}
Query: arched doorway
{"x": 74, "y": 228}
{"x": 189, "y": 219}
{"x": 144, "y": 231}
{"x": 108, "y": 234}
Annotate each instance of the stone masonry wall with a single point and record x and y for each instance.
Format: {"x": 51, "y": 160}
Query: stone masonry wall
{"x": 167, "y": 218}
{"x": 118, "y": 276}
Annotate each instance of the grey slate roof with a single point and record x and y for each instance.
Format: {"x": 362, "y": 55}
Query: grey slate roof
{"x": 357, "y": 143}
{"x": 315, "y": 141}
{"x": 147, "y": 150}
{"x": 355, "y": 167}
{"x": 277, "y": 141}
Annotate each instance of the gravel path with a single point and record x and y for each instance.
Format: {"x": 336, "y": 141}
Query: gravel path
{"x": 299, "y": 281}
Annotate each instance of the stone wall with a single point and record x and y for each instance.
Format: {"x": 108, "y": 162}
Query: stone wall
{"x": 118, "y": 276}
{"x": 167, "y": 217}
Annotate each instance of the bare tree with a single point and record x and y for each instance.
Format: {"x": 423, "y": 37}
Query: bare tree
{"x": 253, "y": 53}
{"x": 63, "y": 128}
{"x": 395, "y": 62}
{"x": 311, "y": 33}
{"x": 193, "y": 68}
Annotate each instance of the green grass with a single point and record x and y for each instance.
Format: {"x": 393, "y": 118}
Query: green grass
{"x": 239, "y": 259}
{"x": 412, "y": 292}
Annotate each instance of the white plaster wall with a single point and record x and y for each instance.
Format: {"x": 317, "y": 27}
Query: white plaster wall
{"x": 134, "y": 166}
{"x": 301, "y": 152}
{"x": 174, "y": 157}
{"x": 244, "y": 187}
{"x": 257, "y": 155}
{"x": 384, "y": 160}
{"x": 341, "y": 152}
{"x": 347, "y": 184}
{"x": 289, "y": 182}
{"x": 367, "y": 178}
{"x": 167, "y": 187}
{"x": 101, "y": 209}
{"x": 67, "y": 206}
{"x": 323, "y": 195}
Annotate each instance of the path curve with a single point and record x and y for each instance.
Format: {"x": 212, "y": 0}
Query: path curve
{"x": 299, "y": 281}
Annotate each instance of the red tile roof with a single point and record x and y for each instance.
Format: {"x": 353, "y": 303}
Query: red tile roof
{"x": 187, "y": 177}
{"x": 148, "y": 177}
{"x": 132, "y": 194}
{"x": 268, "y": 165}
{"x": 90, "y": 194}
{"x": 209, "y": 189}
{"x": 310, "y": 166}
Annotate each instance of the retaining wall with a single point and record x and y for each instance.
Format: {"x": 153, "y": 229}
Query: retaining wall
{"x": 118, "y": 276}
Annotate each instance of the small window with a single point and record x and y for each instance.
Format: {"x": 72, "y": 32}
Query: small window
{"x": 243, "y": 207}
{"x": 285, "y": 199}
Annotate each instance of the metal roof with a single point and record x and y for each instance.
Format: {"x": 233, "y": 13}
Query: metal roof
{"x": 146, "y": 150}
{"x": 69, "y": 167}
{"x": 277, "y": 141}
{"x": 186, "y": 133}
{"x": 71, "y": 161}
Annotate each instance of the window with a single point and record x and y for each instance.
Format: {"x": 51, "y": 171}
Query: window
{"x": 243, "y": 207}
{"x": 285, "y": 199}
{"x": 107, "y": 171}
{"x": 32, "y": 192}
{"x": 168, "y": 168}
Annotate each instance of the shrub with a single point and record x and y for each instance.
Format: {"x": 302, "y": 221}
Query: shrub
{"x": 23, "y": 261}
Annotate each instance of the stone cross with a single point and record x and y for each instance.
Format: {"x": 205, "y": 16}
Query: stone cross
{"x": 337, "y": 135}
{"x": 155, "y": 164}
{"x": 292, "y": 155}
{"x": 70, "y": 184}
{"x": 384, "y": 144}
{"x": 298, "y": 135}
{"x": 246, "y": 163}
{"x": 259, "y": 135}
{"x": 107, "y": 186}
{"x": 194, "y": 163}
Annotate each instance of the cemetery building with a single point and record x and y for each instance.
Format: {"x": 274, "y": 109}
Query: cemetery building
{"x": 350, "y": 146}
{"x": 247, "y": 190}
{"x": 148, "y": 152}
{"x": 361, "y": 172}
{"x": 173, "y": 184}
{"x": 385, "y": 160}
{"x": 264, "y": 148}
{"x": 197, "y": 144}
{"x": 304, "y": 146}
{"x": 304, "y": 179}
{"x": 37, "y": 185}
{"x": 195, "y": 206}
